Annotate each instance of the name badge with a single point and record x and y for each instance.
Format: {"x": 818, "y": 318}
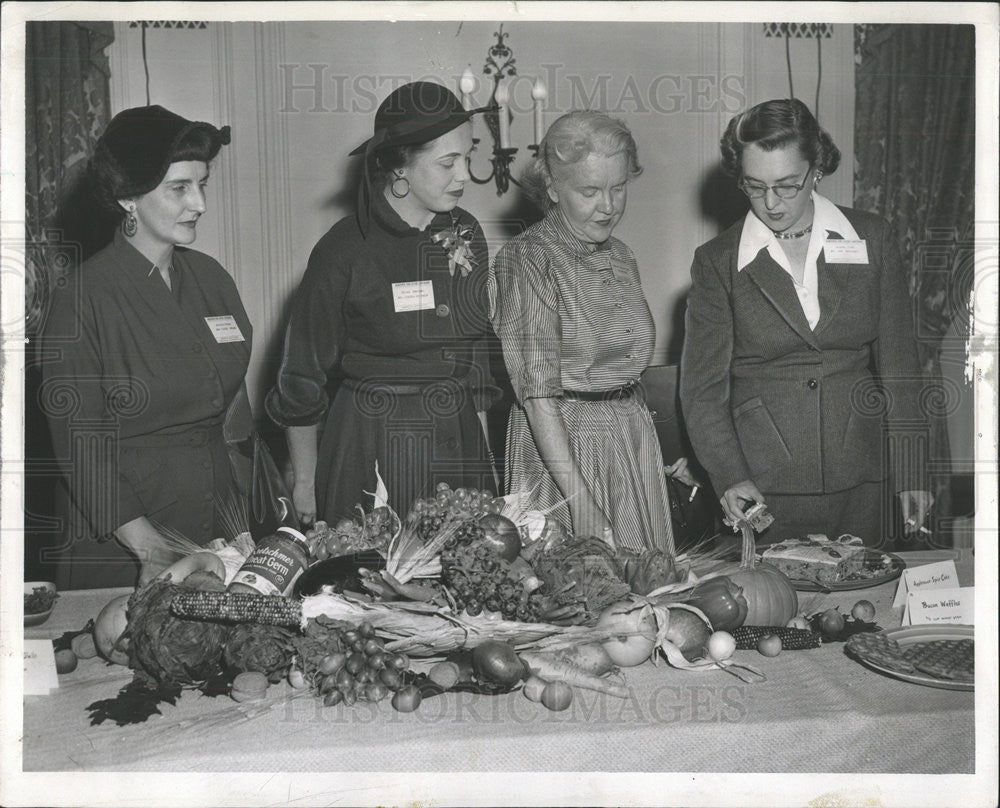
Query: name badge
{"x": 621, "y": 269}
{"x": 224, "y": 329}
{"x": 846, "y": 251}
{"x": 413, "y": 296}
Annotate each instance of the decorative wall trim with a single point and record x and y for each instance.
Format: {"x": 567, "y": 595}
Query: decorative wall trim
{"x": 274, "y": 172}
{"x": 174, "y": 24}
{"x": 799, "y": 30}
{"x": 223, "y": 100}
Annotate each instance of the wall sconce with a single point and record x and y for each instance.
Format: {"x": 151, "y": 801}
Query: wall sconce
{"x": 500, "y": 64}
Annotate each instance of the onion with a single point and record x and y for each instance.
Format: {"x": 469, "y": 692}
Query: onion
{"x": 637, "y": 639}
{"x": 496, "y": 662}
{"x": 688, "y": 632}
{"x": 501, "y": 534}
{"x": 108, "y": 629}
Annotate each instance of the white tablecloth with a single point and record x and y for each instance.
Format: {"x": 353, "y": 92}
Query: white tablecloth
{"x": 818, "y": 711}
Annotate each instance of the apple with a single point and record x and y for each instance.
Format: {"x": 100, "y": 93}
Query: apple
{"x": 831, "y": 623}
{"x": 769, "y": 645}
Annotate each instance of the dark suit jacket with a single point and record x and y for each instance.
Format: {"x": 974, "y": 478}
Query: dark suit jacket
{"x": 799, "y": 411}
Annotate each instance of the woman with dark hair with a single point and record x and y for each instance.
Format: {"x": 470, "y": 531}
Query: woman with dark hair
{"x": 799, "y": 350}
{"x": 576, "y": 332}
{"x": 147, "y": 347}
{"x": 393, "y": 300}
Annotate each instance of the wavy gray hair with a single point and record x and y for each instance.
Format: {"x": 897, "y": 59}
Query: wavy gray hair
{"x": 572, "y": 138}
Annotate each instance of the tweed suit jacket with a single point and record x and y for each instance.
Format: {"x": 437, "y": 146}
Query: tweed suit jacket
{"x": 800, "y": 410}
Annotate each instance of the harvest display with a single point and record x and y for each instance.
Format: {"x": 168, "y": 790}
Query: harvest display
{"x": 467, "y": 592}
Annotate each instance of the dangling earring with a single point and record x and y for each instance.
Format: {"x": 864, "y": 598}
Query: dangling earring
{"x": 129, "y": 224}
{"x": 819, "y": 176}
{"x": 399, "y": 194}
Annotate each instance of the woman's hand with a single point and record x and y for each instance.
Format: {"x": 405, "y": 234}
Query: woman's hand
{"x": 915, "y": 506}
{"x": 680, "y": 471}
{"x": 732, "y": 501}
{"x": 304, "y": 500}
{"x": 149, "y": 547}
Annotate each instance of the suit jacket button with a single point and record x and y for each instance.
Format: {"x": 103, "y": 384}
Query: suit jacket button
{"x": 442, "y": 310}
{"x": 812, "y": 384}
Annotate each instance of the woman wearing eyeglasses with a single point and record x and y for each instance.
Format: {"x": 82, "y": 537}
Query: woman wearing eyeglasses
{"x": 799, "y": 355}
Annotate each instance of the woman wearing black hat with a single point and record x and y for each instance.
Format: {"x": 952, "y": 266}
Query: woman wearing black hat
{"x": 394, "y": 301}
{"x": 149, "y": 344}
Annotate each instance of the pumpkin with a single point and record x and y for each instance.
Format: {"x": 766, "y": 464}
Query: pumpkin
{"x": 771, "y": 598}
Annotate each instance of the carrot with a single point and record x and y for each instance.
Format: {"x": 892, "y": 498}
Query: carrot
{"x": 555, "y": 669}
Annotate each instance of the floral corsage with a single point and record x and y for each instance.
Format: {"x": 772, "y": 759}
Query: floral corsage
{"x": 457, "y": 242}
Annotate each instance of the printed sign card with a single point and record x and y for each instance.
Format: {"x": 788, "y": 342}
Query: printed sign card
{"x": 40, "y": 675}
{"x": 413, "y": 296}
{"x": 940, "y": 575}
{"x": 952, "y": 605}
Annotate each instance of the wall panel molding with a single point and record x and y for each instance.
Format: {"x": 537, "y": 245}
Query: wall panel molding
{"x": 223, "y": 98}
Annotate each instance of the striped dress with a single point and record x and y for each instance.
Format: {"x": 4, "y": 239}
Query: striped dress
{"x": 572, "y": 316}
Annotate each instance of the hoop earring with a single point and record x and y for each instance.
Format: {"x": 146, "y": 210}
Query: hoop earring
{"x": 398, "y": 194}
{"x": 129, "y": 224}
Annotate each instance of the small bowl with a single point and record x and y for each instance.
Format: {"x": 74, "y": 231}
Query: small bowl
{"x": 39, "y": 617}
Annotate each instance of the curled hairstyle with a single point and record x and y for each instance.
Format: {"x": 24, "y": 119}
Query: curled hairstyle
{"x": 111, "y": 183}
{"x": 571, "y": 139}
{"x": 388, "y": 159}
{"x": 773, "y": 125}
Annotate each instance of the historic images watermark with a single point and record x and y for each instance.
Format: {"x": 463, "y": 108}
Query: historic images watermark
{"x": 317, "y": 89}
{"x": 690, "y": 702}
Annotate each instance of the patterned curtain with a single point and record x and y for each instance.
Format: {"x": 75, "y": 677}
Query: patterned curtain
{"x": 67, "y": 107}
{"x": 914, "y": 164}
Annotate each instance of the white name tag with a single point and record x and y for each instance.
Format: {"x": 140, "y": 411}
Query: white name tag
{"x": 413, "y": 295}
{"x": 846, "y": 251}
{"x": 224, "y": 329}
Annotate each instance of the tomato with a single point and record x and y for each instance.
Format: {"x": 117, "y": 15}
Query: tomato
{"x": 637, "y": 638}
{"x": 557, "y": 696}
{"x": 65, "y": 661}
{"x": 407, "y": 699}
{"x": 864, "y": 610}
{"x": 831, "y": 623}
{"x": 769, "y": 645}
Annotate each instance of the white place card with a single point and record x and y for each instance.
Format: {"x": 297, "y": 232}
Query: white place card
{"x": 940, "y": 575}
{"x": 953, "y": 605}
{"x": 40, "y": 675}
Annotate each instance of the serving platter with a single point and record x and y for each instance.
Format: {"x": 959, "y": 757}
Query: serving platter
{"x": 893, "y": 567}
{"x": 887, "y": 653}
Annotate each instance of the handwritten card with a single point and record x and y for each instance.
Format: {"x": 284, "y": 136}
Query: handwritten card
{"x": 940, "y": 575}
{"x": 952, "y": 605}
{"x": 40, "y": 675}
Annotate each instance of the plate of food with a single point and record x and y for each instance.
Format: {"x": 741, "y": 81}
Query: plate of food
{"x": 818, "y": 564}
{"x": 39, "y": 598}
{"x": 934, "y": 655}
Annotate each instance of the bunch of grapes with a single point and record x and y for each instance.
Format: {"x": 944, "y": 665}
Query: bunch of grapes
{"x": 449, "y": 506}
{"x": 348, "y": 536}
{"x": 480, "y": 580}
{"x": 345, "y": 664}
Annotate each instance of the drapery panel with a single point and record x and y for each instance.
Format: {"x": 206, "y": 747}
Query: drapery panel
{"x": 915, "y": 164}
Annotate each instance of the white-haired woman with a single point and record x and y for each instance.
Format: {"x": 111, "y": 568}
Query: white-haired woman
{"x": 568, "y": 306}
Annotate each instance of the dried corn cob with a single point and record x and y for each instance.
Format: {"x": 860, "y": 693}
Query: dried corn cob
{"x": 237, "y": 607}
{"x": 792, "y": 639}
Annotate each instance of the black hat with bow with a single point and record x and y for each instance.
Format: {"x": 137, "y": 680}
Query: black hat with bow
{"x": 413, "y": 114}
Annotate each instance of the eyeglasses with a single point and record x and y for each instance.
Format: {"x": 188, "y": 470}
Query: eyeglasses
{"x": 756, "y": 191}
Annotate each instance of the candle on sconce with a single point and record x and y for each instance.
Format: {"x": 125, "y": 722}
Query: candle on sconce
{"x": 502, "y": 97}
{"x": 538, "y": 94}
{"x": 467, "y": 84}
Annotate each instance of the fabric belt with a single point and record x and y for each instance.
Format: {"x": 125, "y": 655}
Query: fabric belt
{"x": 190, "y": 438}
{"x": 623, "y": 392}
